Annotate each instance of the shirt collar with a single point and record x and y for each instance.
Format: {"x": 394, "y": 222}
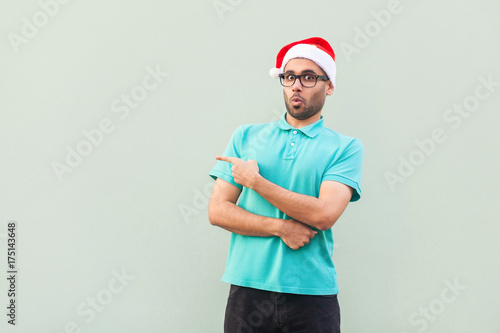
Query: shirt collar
{"x": 310, "y": 130}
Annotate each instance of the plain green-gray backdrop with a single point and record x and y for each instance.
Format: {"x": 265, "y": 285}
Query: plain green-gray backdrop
{"x": 111, "y": 114}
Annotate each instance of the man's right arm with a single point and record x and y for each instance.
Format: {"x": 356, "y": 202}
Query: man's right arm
{"x": 223, "y": 212}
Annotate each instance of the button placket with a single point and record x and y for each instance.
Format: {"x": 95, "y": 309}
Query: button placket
{"x": 293, "y": 141}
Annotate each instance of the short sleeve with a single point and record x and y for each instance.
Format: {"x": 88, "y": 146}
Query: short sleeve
{"x": 222, "y": 169}
{"x": 347, "y": 168}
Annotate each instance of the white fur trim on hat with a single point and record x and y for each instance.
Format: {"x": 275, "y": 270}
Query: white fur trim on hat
{"x": 274, "y": 72}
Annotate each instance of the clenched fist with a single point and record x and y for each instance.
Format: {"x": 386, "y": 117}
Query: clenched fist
{"x": 296, "y": 234}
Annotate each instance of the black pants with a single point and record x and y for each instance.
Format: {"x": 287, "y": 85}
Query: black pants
{"x": 259, "y": 311}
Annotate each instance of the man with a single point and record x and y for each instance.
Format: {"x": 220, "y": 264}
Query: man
{"x": 279, "y": 189}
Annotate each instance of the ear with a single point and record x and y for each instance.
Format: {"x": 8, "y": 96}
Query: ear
{"x": 329, "y": 88}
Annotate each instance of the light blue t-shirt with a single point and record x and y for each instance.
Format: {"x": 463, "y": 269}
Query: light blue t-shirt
{"x": 298, "y": 160}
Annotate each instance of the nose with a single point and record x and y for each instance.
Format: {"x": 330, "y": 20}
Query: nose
{"x": 297, "y": 86}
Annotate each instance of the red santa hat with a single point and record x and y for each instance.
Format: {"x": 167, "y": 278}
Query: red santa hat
{"x": 316, "y": 49}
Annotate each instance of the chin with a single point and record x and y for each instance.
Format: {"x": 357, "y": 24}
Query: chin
{"x": 297, "y": 116}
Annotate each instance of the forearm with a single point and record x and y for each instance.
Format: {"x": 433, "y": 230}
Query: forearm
{"x": 305, "y": 208}
{"x": 319, "y": 212}
{"x": 231, "y": 217}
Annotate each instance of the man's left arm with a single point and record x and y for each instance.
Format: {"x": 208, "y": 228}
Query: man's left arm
{"x": 320, "y": 213}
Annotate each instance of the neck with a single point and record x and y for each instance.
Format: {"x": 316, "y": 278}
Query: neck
{"x": 296, "y": 123}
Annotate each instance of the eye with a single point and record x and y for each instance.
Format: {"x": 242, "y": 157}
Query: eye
{"x": 309, "y": 77}
{"x": 290, "y": 77}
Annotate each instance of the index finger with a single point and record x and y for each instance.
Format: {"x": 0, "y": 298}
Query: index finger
{"x": 232, "y": 160}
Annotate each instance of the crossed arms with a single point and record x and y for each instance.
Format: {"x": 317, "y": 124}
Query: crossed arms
{"x": 306, "y": 211}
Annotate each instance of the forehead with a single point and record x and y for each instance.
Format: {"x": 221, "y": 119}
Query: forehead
{"x": 299, "y": 65}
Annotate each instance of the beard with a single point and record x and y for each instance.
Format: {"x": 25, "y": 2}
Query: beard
{"x": 308, "y": 108}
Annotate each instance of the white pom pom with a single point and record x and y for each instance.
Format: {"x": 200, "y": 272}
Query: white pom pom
{"x": 274, "y": 72}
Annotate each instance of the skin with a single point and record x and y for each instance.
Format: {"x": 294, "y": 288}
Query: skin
{"x": 308, "y": 110}
{"x": 304, "y": 107}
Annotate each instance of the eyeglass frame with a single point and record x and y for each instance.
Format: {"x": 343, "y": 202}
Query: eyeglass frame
{"x": 322, "y": 77}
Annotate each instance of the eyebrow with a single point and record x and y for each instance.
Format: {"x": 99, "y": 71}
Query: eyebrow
{"x": 303, "y": 72}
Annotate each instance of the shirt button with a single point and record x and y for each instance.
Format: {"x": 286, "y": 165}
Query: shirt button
{"x": 292, "y": 144}
{"x": 294, "y": 132}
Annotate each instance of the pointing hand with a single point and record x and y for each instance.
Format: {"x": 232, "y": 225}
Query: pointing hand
{"x": 245, "y": 173}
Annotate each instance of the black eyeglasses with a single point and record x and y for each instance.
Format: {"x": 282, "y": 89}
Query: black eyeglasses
{"x": 306, "y": 80}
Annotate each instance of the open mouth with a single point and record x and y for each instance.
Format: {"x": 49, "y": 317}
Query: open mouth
{"x": 296, "y": 101}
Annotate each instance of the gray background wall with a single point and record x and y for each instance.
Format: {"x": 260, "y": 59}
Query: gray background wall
{"x": 418, "y": 253}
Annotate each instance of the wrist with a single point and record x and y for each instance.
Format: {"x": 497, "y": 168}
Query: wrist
{"x": 254, "y": 185}
{"x": 276, "y": 226}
